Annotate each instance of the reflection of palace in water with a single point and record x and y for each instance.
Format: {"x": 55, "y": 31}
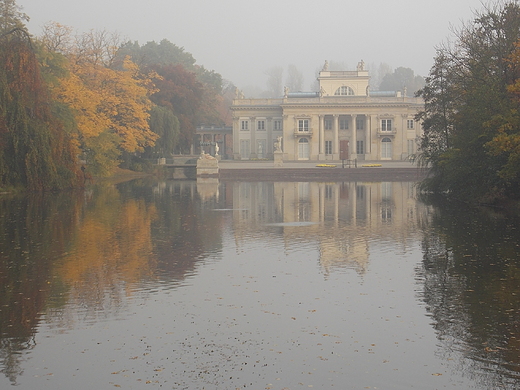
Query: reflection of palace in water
{"x": 343, "y": 217}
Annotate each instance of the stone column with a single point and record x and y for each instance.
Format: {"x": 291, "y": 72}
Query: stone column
{"x": 236, "y": 138}
{"x": 269, "y": 140}
{"x": 353, "y": 140}
{"x": 252, "y": 121}
{"x": 335, "y": 142}
{"x": 322, "y": 137}
{"x": 372, "y": 137}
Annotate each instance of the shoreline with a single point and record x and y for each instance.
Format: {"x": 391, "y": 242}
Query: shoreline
{"x": 323, "y": 174}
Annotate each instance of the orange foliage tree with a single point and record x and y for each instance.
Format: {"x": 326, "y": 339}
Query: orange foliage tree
{"x": 109, "y": 99}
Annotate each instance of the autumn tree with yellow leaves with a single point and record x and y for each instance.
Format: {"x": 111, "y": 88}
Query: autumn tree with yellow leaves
{"x": 109, "y": 99}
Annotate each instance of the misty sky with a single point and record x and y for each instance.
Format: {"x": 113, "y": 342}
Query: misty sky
{"x": 241, "y": 39}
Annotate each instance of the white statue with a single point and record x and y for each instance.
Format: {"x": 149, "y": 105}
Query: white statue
{"x": 278, "y": 144}
{"x": 216, "y": 148}
{"x": 326, "y": 66}
{"x": 238, "y": 94}
{"x": 204, "y": 156}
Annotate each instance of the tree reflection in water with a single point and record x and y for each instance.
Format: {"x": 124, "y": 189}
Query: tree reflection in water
{"x": 471, "y": 276}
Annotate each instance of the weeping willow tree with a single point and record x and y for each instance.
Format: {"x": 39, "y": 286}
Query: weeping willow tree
{"x": 35, "y": 151}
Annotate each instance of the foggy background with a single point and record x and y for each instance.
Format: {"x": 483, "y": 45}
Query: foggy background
{"x": 243, "y": 40}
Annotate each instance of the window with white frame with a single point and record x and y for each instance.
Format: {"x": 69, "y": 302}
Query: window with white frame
{"x": 360, "y": 123}
{"x": 411, "y": 144}
{"x": 244, "y": 125}
{"x": 245, "y": 150}
{"x": 260, "y": 125}
{"x": 278, "y": 125}
{"x": 328, "y": 147}
{"x": 360, "y": 147}
{"x": 344, "y": 91}
{"x": 261, "y": 148}
{"x": 303, "y": 125}
{"x": 410, "y": 124}
{"x": 343, "y": 124}
{"x": 386, "y": 148}
{"x": 328, "y": 124}
{"x": 386, "y": 125}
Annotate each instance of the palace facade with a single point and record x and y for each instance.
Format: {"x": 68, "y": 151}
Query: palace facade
{"x": 344, "y": 121}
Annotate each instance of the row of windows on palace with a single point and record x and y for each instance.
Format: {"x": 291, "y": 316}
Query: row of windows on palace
{"x": 386, "y": 147}
{"x": 303, "y": 124}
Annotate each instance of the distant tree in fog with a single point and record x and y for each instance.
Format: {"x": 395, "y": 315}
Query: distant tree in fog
{"x": 294, "y": 79}
{"x": 274, "y": 81}
{"x": 338, "y": 65}
{"x": 400, "y": 79}
{"x": 377, "y": 73}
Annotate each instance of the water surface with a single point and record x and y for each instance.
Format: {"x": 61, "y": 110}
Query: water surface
{"x": 260, "y": 285}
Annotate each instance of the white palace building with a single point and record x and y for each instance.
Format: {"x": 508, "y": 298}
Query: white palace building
{"x": 344, "y": 121}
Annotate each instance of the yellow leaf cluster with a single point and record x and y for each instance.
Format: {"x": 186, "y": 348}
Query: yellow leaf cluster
{"x": 102, "y": 97}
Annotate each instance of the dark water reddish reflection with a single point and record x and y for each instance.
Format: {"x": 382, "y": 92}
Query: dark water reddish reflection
{"x": 256, "y": 286}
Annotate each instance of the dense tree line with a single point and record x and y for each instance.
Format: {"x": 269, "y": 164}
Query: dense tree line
{"x": 67, "y": 98}
{"x": 471, "y": 119}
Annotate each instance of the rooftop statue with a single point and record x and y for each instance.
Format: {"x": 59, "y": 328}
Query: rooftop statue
{"x": 326, "y": 66}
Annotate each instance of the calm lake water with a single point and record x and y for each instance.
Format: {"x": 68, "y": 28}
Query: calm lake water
{"x": 256, "y": 285}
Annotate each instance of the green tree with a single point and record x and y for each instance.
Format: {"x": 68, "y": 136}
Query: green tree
{"x": 11, "y": 16}
{"x": 35, "y": 150}
{"x": 506, "y": 142}
{"x": 153, "y": 53}
{"x": 166, "y": 126}
{"x": 465, "y": 94}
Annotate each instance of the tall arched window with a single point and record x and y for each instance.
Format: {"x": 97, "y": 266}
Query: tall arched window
{"x": 344, "y": 91}
{"x": 303, "y": 149}
{"x": 386, "y": 148}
